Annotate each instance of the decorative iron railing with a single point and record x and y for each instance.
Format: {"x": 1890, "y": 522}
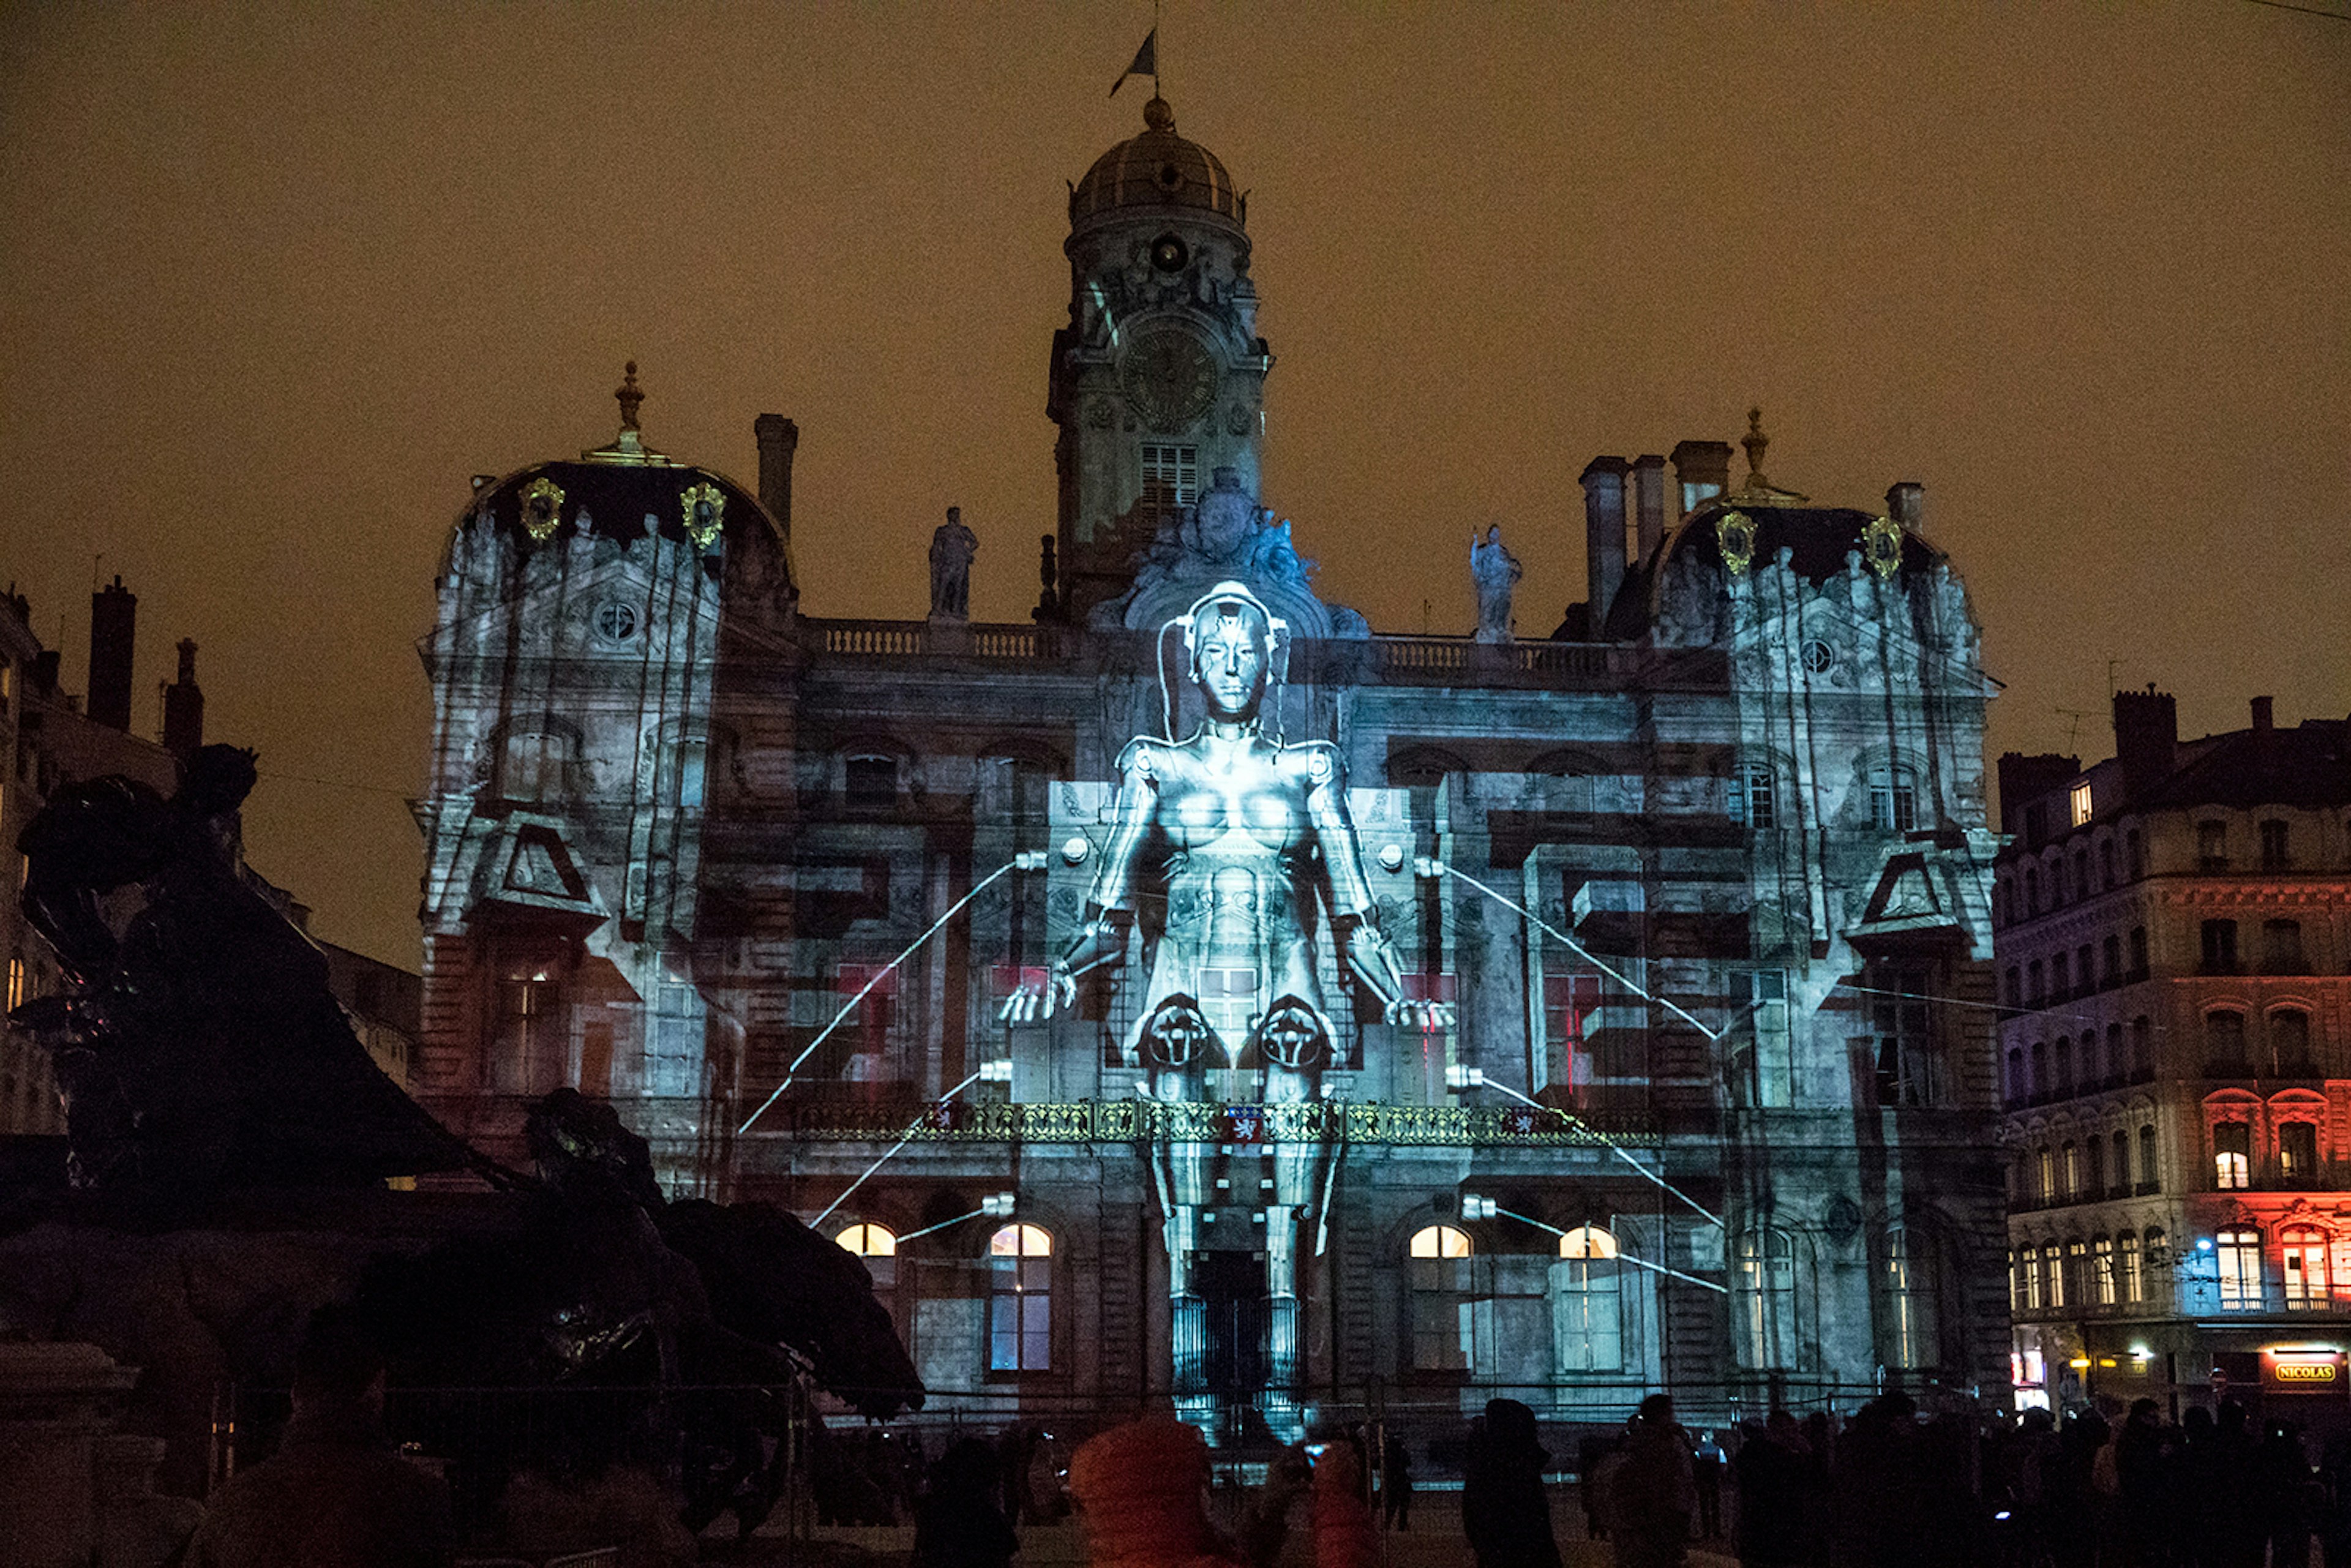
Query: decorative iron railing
{"x": 1403, "y": 660}
{"x": 1143, "y": 1121}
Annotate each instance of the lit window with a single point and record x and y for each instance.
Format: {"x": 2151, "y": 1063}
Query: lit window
{"x": 2232, "y": 1149}
{"x": 2102, "y": 1270}
{"x": 1020, "y": 1300}
{"x": 2032, "y": 1279}
{"x": 1441, "y": 1309}
{"x": 2080, "y": 800}
{"x": 16, "y": 984}
{"x": 2134, "y": 1276}
{"x": 879, "y": 1247}
{"x": 1763, "y": 1300}
{"x": 1910, "y": 1300}
{"x": 2047, "y": 1160}
{"x": 2238, "y": 1254}
{"x": 2078, "y": 1272}
{"x": 2297, "y": 1150}
{"x": 2053, "y": 1276}
{"x": 2304, "y": 1256}
{"x": 2072, "y": 1158}
{"x": 1589, "y": 1314}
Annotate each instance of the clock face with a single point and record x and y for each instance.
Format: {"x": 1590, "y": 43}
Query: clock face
{"x": 1169, "y": 378}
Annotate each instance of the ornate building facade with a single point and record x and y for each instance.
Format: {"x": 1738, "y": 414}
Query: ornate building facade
{"x": 2173, "y": 947}
{"x": 1195, "y": 994}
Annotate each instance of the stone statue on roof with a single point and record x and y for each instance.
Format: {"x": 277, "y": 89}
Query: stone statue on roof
{"x": 1496, "y": 571}
{"x": 952, "y": 546}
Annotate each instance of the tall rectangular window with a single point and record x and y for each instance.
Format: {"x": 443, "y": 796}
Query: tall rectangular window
{"x": 1909, "y": 1069}
{"x": 2303, "y": 1252}
{"x": 2232, "y": 1155}
{"x": 2281, "y": 948}
{"x": 1570, "y": 1002}
{"x": 1775, "y": 1062}
{"x": 2224, "y": 1044}
{"x": 2102, "y": 1269}
{"x": 2149, "y": 1177}
{"x": 1893, "y": 799}
{"x": 2134, "y": 1278}
{"x": 2297, "y": 1150}
{"x": 2211, "y": 846}
{"x": 2239, "y": 1253}
{"x": 2138, "y": 952}
{"x": 2079, "y": 799}
{"x": 2289, "y": 1031}
{"x": 2220, "y": 946}
{"x": 1763, "y": 1300}
{"x": 1761, "y": 797}
{"x": 1171, "y": 475}
{"x": 2275, "y": 855}
{"x": 1020, "y": 1300}
{"x": 2110, "y": 962}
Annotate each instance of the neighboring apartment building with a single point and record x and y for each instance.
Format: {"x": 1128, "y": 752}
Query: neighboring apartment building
{"x": 2174, "y": 929}
{"x": 49, "y": 737}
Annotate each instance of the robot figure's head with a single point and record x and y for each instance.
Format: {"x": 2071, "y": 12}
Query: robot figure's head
{"x": 1231, "y": 635}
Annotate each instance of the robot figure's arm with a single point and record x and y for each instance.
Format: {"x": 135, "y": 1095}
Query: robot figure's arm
{"x": 1110, "y": 906}
{"x": 1369, "y": 954}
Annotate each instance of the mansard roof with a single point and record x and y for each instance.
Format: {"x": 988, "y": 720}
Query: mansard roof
{"x": 1818, "y": 540}
{"x": 2306, "y": 765}
{"x": 617, "y": 500}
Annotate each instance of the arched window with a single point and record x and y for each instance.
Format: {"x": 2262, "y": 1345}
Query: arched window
{"x": 2290, "y": 1043}
{"x": 2232, "y": 1155}
{"x": 1438, "y": 1259}
{"x": 1763, "y": 1300}
{"x": 2134, "y": 1280}
{"x": 2148, "y": 1174}
{"x": 2238, "y": 1250}
{"x": 2304, "y": 1249}
{"x": 2298, "y": 1149}
{"x": 1020, "y": 1300}
{"x": 2101, "y": 1271}
{"x": 1911, "y": 1339}
{"x": 878, "y": 1245}
{"x": 1588, "y": 1314}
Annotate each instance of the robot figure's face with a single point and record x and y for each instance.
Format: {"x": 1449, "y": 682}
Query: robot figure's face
{"x": 1228, "y": 659}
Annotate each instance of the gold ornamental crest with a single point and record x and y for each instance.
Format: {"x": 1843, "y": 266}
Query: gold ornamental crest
{"x": 1734, "y": 532}
{"x": 704, "y": 509}
{"x": 1881, "y": 545}
{"x": 542, "y": 509}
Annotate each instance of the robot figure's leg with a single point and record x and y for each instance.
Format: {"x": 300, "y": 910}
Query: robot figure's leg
{"x": 1185, "y": 1183}
{"x": 1297, "y": 1166}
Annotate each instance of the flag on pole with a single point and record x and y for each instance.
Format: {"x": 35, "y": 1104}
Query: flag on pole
{"x": 1147, "y": 62}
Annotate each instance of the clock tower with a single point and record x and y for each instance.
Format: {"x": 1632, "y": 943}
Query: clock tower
{"x": 1158, "y": 379}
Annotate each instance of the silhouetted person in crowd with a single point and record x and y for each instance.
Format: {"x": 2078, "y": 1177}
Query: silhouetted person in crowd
{"x": 1396, "y": 1482}
{"x": 2139, "y": 1479}
{"x": 960, "y": 1524}
{"x": 2240, "y": 1532}
{"x": 1653, "y": 1494}
{"x": 2334, "y": 1520}
{"x": 336, "y": 1495}
{"x": 1706, "y": 1468}
{"x": 1774, "y": 1475}
{"x": 2284, "y": 1486}
{"x": 1504, "y": 1511}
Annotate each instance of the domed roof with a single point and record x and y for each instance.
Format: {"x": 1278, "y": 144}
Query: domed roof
{"x": 621, "y": 491}
{"x": 1156, "y": 169}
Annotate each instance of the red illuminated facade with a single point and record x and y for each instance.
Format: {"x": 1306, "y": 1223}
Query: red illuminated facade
{"x": 2174, "y": 934}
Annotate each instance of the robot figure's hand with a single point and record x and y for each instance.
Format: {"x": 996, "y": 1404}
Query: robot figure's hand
{"x": 1373, "y": 959}
{"x": 1036, "y": 1001}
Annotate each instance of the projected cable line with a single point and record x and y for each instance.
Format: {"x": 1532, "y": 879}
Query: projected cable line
{"x": 1460, "y": 1077}
{"x": 1476, "y": 1207}
{"x": 992, "y": 1072}
{"x": 1027, "y": 860}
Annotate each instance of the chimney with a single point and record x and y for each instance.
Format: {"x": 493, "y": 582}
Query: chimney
{"x": 2264, "y": 715}
{"x": 779, "y": 438}
{"x": 113, "y": 621}
{"x": 2025, "y": 779}
{"x": 1703, "y": 470}
{"x": 1650, "y": 503}
{"x": 1906, "y": 503}
{"x": 2146, "y": 732}
{"x": 184, "y": 707}
{"x": 1603, "y": 534}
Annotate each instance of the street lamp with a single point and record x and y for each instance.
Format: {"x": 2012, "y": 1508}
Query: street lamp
{"x": 1474, "y": 1206}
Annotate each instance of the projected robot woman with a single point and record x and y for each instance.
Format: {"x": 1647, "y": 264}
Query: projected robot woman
{"x": 1219, "y": 846}
{"x": 1222, "y": 848}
